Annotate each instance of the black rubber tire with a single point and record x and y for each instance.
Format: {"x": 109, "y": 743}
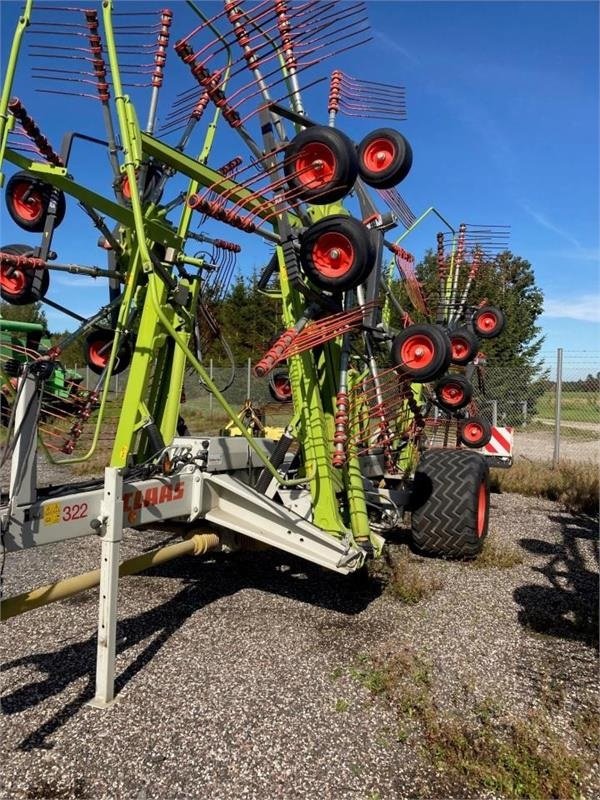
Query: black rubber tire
{"x": 484, "y": 313}
{"x": 153, "y": 178}
{"x": 450, "y": 503}
{"x": 337, "y": 228}
{"x": 18, "y": 183}
{"x": 277, "y": 382}
{"x": 464, "y": 345}
{"x": 343, "y": 163}
{"x": 450, "y": 384}
{"x": 102, "y": 339}
{"x": 28, "y": 293}
{"x": 466, "y": 434}
{"x": 397, "y": 160}
{"x": 430, "y": 336}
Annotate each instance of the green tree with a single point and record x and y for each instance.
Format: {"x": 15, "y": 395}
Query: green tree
{"x": 30, "y": 313}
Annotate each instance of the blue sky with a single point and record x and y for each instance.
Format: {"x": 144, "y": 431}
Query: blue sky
{"x": 502, "y": 117}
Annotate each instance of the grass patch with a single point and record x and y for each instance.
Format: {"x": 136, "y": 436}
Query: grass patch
{"x": 575, "y": 406}
{"x": 574, "y": 485}
{"x": 341, "y": 705}
{"x": 406, "y": 579}
{"x": 496, "y": 555}
{"x": 483, "y": 749}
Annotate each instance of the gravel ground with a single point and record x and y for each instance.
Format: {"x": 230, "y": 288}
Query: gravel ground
{"x": 539, "y": 446}
{"x": 247, "y": 658}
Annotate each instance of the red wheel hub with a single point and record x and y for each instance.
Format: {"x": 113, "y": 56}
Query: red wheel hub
{"x": 333, "y": 254}
{"x": 379, "y": 155}
{"x": 99, "y": 353}
{"x": 473, "y": 431}
{"x": 27, "y": 203}
{"x": 15, "y": 283}
{"x": 452, "y": 394}
{"x": 283, "y": 386}
{"x": 315, "y": 165}
{"x": 487, "y": 322}
{"x": 460, "y": 348}
{"x": 417, "y": 351}
{"x": 481, "y": 509}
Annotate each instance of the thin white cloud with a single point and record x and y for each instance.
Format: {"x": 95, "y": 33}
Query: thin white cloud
{"x": 543, "y": 220}
{"x": 392, "y": 44}
{"x": 585, "y": 308}
{"x": 77, "y": 282}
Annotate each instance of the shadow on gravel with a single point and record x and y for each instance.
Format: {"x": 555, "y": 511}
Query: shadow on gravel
{"x": 568, "y": 606}
{"x": 204, "y": 582}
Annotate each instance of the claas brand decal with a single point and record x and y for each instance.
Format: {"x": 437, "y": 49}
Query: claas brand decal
{"x": 133, "y": 502}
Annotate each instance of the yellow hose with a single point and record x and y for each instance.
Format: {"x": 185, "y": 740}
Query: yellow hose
{"x": 196, "y": 545}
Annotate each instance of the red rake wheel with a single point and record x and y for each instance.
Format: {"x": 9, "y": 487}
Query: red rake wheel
{"x": 320, "y": 165}
{"x": 475, "y": 432}
{"x": 336, "y": 253}
{"x": 463, "y": 345}
{"x": 384, "y": 158}
{"x": 453, "y": 392}
{"x": 421, "y": 352}
{"x": 280, "y": 387}
{"x": 97, "y": 350}
{"x": 488, "y": 322}
{"x": 19, "y": 286}
{"x": 28, "y": 200}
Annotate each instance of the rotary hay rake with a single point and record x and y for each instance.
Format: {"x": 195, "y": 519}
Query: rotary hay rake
{"x": 382, "y": 417}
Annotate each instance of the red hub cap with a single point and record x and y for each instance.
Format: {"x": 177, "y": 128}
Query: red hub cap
{"x": 473, "y": 431}
{"x": 452, "y": 394}
{"x": 481, "y": 509}
{"x": 99, "y": 353}
{"x": 487, "y": 322}
{"x": 333, "y": 254}
{"x": 379, "y": 155}
{"x": 417, "y": 351}
{"x": 29, "y": 207}
{"x": 460, "y": 348}
{"x": 15, "y": 283}
{"x": 283, "y": 386}
{"x": 315, "y": 165}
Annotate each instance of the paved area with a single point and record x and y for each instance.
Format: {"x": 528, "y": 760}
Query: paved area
{"x": 235, "y": 673}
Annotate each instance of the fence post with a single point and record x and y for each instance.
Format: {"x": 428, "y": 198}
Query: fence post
{"x": 248, "y": 387}
{"x": 559, "y": 367}
{"x": 494, "y": 413}
{"x": 210, "y": 395}
{"x": 524, "y": 406}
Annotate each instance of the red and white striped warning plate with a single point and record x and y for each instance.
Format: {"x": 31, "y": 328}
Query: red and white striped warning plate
{"x": 501, "y": 443}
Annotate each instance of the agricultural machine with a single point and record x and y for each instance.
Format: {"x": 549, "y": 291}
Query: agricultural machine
{"x": 378, "y": 377}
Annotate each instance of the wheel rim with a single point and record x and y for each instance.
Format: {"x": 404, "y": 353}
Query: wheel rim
{"x": 28, "y": 209}
{"x": 417, "y": 351}
{"x": 452, "y": 394}
{"x": 481, "y": 509}
{"x": 99, "y": 353}
{"x": 333, "y": 255}
{"x": 126, "y": 188}
{"x": 379, "y": 155}
{"x": 282, "y": 386}
{"x": 15, "y": 283}
{"x": 487, "y": 322}
{"x": 315, "y": 165}
{"x": 460, "y": 348}
{"x": 473, "y": 432}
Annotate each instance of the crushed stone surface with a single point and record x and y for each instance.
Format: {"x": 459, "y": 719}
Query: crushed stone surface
{"x": 234, "y": 672}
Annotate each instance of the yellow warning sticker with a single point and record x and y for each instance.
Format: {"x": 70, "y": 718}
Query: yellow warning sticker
{"x": 51, "y": 513}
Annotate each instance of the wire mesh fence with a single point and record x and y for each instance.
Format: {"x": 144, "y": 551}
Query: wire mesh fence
{"x": 554, "y": 410}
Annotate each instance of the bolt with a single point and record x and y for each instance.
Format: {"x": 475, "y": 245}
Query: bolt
{"x": 380, "y": 157}
{"x": 318, "y": 163}
{"x": 334, "y": 254}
